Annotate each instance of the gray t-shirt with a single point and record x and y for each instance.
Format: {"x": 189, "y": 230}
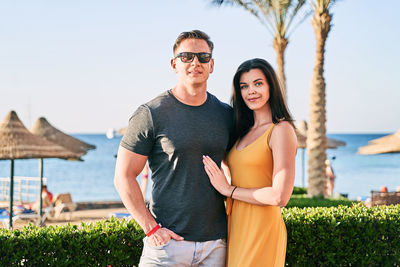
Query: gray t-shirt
{"x": 174, "y": 136}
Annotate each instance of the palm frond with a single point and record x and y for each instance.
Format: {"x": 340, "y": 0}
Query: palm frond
{"x": 222, "y": 2}
{"x": 253, "y": 8}
{"x": 301, "y": 11}
{"x": 322, "y": 6}
{"x": 276, "y": 15}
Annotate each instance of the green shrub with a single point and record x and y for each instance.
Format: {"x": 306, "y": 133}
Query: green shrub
{"x": 343, "y": 236}
{"x": 299, "y": 190}
{"x": 335, "y": 236}
{"x": 111, "y": 242}
{"x": 302, "y": 201}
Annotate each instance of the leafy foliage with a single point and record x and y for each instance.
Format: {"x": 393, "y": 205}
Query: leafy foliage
{"x": 322, "y": 6}
{"x": 343, "y": 236}
{"x": 276, "y": 15}
{"x": 299, "y": 190}
{"x": 302, "y": 201}
{"x": 335, "y": 236}
{"x": 111, "y": 242}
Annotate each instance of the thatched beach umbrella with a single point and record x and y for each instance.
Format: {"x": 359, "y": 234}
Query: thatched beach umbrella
{"x": 333, "y": 143}
{"x": 386, "y": 144}
{"x": 16, "y": 142}
{"x": 301, "y": 133}
{"x": 44, "y": 129}
{"x": 388, "y": 139}
{"x": 47, "y": 131}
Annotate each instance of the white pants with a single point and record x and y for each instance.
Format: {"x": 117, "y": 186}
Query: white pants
{"x": 184, "y": 253}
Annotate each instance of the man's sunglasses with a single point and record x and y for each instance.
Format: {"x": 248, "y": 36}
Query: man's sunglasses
{"x": 188, "y": 57}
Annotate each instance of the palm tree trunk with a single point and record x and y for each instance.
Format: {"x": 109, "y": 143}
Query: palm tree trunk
{"x": 316, "y": 135}
{"x": 280, "y": 44}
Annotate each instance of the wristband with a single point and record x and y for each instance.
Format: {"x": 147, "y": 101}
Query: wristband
{"x": 233, "y": 191}
{"x": 152, "y": 231}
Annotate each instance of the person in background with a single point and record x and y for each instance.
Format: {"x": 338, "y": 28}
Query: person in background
{"x": 262, "y": 167}
{"x": 185, "y": 224}
{"x": 383, "y": 190}
{"x": 330, "y": 175}
{"x": 47, "y": 193}
{"x": 47, "y": 198}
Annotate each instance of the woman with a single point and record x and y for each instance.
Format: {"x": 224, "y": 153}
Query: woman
{"x": 47, "y": 198}
{"x": 261, "y": 163}
{"x": 330, "y": 174}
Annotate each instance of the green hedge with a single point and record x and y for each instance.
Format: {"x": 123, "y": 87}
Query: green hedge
{"x": 299, "y": 190}
{"x": 302, "y": 201}
{"x": 111, "y": 242}
{"x": 343, "y": 236}
{"x": 336, "y": 236}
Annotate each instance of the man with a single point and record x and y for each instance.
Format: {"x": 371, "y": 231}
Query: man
{"x": 186, "y": 225}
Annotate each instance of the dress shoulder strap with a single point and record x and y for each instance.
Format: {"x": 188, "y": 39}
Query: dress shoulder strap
{"x": 269, "y": 132}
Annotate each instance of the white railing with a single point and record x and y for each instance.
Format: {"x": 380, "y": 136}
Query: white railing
{"x": 26, "y": 189}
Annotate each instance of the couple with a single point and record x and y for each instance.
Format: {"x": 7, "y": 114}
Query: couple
{"x": 185, "y": 135}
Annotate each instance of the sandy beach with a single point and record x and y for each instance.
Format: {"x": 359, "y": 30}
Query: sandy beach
{"x": 86, "y": 216}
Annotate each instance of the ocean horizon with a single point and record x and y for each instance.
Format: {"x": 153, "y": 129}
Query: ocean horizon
{"x": 92, "y": 179}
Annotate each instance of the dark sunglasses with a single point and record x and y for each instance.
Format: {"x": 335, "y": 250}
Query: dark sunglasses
{"x": 188, "y": 57}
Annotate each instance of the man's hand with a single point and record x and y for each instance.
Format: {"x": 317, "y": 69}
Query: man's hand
{"x": 162, "y": 236}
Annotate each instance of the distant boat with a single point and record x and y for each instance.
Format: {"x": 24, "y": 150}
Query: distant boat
{"x": 110, "y": 133}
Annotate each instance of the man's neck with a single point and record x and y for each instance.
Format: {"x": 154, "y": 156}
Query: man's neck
{"x": 193, "y": 96}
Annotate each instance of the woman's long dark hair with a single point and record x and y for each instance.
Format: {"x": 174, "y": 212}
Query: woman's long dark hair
{"x": 243, "y": 116}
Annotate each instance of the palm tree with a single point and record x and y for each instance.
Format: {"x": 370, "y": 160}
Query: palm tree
{"x": 278, "y": 17}
{"x": 316, "y": 135}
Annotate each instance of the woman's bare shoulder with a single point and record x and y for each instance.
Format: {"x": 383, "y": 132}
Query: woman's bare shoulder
{"x": 284, "y": 126}
{"x": 283, "y": 131}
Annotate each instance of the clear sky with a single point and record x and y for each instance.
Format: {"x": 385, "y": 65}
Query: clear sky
{"x": 86, "y": 65}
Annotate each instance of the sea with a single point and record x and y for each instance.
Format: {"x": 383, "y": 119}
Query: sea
{"x": 92, "y": 178}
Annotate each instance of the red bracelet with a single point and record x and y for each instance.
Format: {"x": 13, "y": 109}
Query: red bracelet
{"x": 152, "y": 231}
{"x": 145, "y": 176}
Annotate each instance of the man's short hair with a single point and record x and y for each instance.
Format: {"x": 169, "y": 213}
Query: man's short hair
{"x": 194, "y": 34}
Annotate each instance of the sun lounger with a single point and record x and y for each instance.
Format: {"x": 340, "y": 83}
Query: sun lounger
{"x": 31, "y": 217}
{"x": 27, "y": 215}
{"x": 4, "y": 219}
{"x": 63, "y": 202}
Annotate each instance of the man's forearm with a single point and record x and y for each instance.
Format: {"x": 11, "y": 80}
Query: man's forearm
{"x": 131, "y": 195}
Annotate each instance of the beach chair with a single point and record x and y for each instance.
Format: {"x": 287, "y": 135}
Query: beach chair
{"x": 63, "y": 202}
{"x": 4, "y": 219}
{"x": 384, "y": 198}
{"x": 31, "y": 217}
{"x": 27, "y": 215}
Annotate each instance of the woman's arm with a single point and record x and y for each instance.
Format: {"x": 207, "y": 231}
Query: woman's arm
{"x": 283, "y": 143}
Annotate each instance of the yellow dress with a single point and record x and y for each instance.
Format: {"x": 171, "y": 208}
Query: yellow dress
{"x": 256, "y": 234}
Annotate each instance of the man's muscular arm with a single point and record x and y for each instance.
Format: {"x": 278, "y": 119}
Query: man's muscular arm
{"x": 128, "y": 167}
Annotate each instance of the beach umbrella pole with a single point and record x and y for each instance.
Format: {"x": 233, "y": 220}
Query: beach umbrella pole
{"x": 303, "y": 166}
{"x": 11, "y": 193}
{"x": 41, "y": 187}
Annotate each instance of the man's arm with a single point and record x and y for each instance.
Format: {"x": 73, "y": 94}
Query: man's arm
{"x": 128, "y": 167}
